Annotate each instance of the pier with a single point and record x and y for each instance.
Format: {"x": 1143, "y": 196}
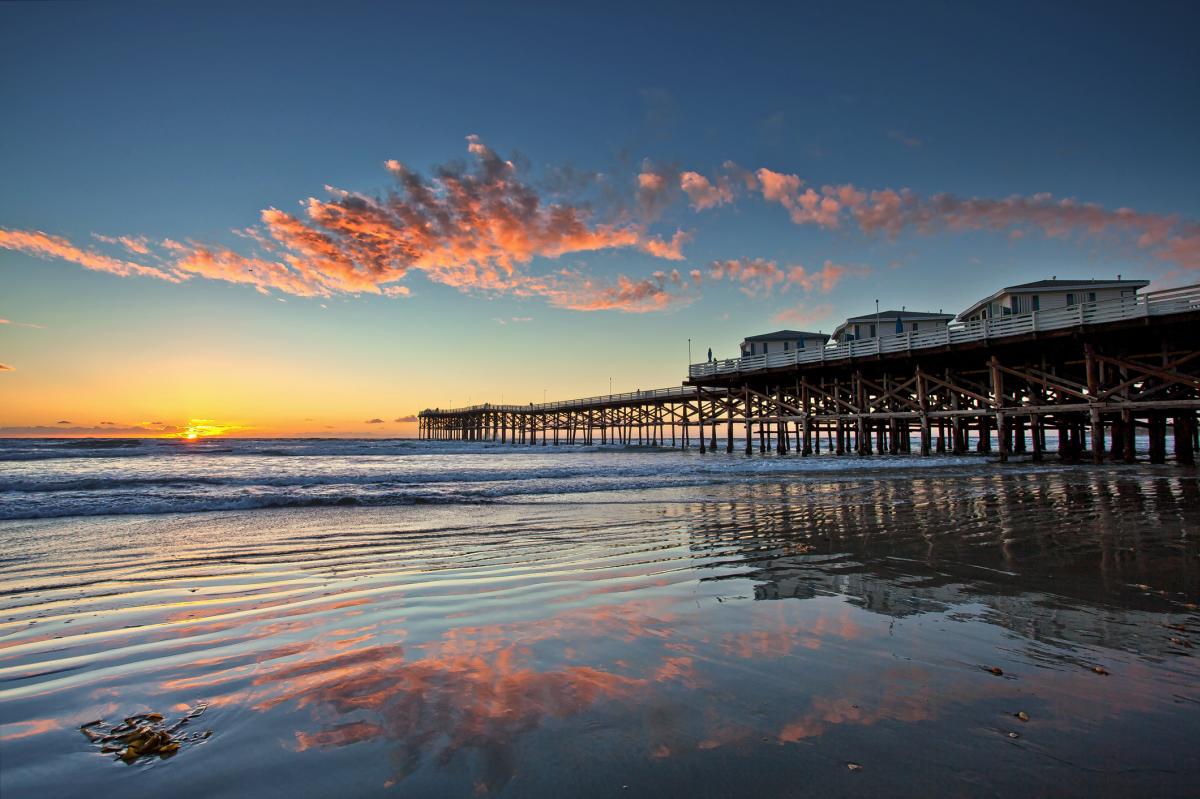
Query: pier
{"x": 1094, "y": 375}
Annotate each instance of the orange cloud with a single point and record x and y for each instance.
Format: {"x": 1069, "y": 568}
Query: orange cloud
{"x": 44, "y": 245}
{"x": 473, "y": 228}
{"x": 655, "y": 189}
{"x": 668, "y": 250}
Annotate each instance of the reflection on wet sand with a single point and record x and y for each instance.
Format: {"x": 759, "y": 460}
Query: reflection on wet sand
{"x": 758, "y": 636}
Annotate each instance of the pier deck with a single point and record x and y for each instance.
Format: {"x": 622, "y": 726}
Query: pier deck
{"x": 1094, "y": 373}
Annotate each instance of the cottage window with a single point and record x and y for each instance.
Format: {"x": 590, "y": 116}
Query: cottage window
{"x": 764, "y": 348}
{"x": 1035, "y": 301}
{"x": 785, "y": 346}
{"x": 800, "y": 344}
{"x": 1091, "y": 296}
{"x": 1070, "y": 299}
{"x": 872, "y": 331}
{"x": 914, "y": 327}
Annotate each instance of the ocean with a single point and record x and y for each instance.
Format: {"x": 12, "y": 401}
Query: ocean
{"x": 405, "y": 618}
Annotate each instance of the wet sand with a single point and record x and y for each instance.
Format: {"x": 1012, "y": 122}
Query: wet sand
{"x": 702, "y": 641}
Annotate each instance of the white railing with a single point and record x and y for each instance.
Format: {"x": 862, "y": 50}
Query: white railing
{"x": 678, "y": 392}
{"x": 1154, "y": 303}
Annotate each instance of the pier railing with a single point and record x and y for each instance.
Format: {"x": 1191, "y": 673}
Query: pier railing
{"x": 649, "y": 395}
{"x": 1154, "y": 303}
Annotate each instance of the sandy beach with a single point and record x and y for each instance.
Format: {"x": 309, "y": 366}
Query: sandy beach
{"x": 1015, "y": 630}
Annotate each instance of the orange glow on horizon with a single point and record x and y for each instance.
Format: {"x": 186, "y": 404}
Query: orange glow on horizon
{"x": 204, "y": 428}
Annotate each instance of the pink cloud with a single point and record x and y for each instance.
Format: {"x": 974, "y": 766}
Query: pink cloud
{"x": 803, "y": 315}
{"x": 825, "y": 278}
{"x": 138, "y": 245}
{"x": 891, "y": 212}
{"x": 702, "y": 193}
{"x": 759, "y": 277}
{"x": 6, "y": 368}
{"x": 803, "y": 207}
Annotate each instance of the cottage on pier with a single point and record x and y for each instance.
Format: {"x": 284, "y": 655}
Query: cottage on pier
{"x": 1042, "y": 295}
{"x": 782, "y": 341}
{"x": 887, "y": 323}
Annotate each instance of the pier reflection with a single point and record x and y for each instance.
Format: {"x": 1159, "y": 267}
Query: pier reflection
{"x": 811, "y": 578}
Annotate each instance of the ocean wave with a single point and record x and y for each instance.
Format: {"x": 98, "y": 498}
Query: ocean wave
{"x": 248, "y": 474}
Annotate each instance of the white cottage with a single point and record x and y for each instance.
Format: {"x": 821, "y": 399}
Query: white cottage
{"x": 782, "y": 341}
{"x": 889, "y": 323}
{"x": 1042, "y": 295}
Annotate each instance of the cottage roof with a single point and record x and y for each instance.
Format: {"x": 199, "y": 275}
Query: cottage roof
{"x": 892, "y": 316}
{"x": 1056, "y": 285}
{"x": 785, "y": 335}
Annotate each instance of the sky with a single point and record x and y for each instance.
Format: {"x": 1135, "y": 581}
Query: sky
{"x": 318, "y": 219}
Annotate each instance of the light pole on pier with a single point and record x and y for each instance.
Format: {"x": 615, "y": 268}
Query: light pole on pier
{"x": 689, "y": 352}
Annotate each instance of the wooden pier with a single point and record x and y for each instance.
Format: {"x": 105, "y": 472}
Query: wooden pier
{"x": 1092, "y": 375}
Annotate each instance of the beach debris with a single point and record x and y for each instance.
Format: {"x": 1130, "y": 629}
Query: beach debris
{"x": 1022, "y": 715}
{"x": 999, "y": 672}
{"x": 143, "y": 735}
{"x": 1100, "y": 670}
{"x": 1014, "y": 735}
{"x": 854, "y": 766}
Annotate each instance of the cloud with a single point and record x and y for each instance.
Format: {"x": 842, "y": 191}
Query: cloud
{"x": 374, "y": 421}
{"x": 667, "y": 250}
{"x": 21, "y": 324}
{"x": 760, "y": 277}
{"x": 756, "y": 276}
{"x": 409, "y": 418}
{"x": 824, "y": 279}
{"x": 803, "y": 314}
{"x": 44, "y": 245}
{"x": 803, "y": 207}
{"x": 578, "y": 292}
{"x": 63, "y": 421}
{"x": 104, "y": 428}
{"x": 516, "y": 320}
{"x": 6, "y": 368}
{"x": 702, "y": 193}
{"x": 657, "y": 187}
{"x": 472, "y": 227}
{"x": 138, "y": 245}
{"x": 892, "y": 212}
{"x": 911, "y": 142}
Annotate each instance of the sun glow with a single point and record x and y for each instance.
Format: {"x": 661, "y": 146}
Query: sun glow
{"x": 204, "y": 428}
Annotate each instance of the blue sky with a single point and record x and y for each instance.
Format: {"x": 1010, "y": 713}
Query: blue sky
{"x": 181, "y": 123}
